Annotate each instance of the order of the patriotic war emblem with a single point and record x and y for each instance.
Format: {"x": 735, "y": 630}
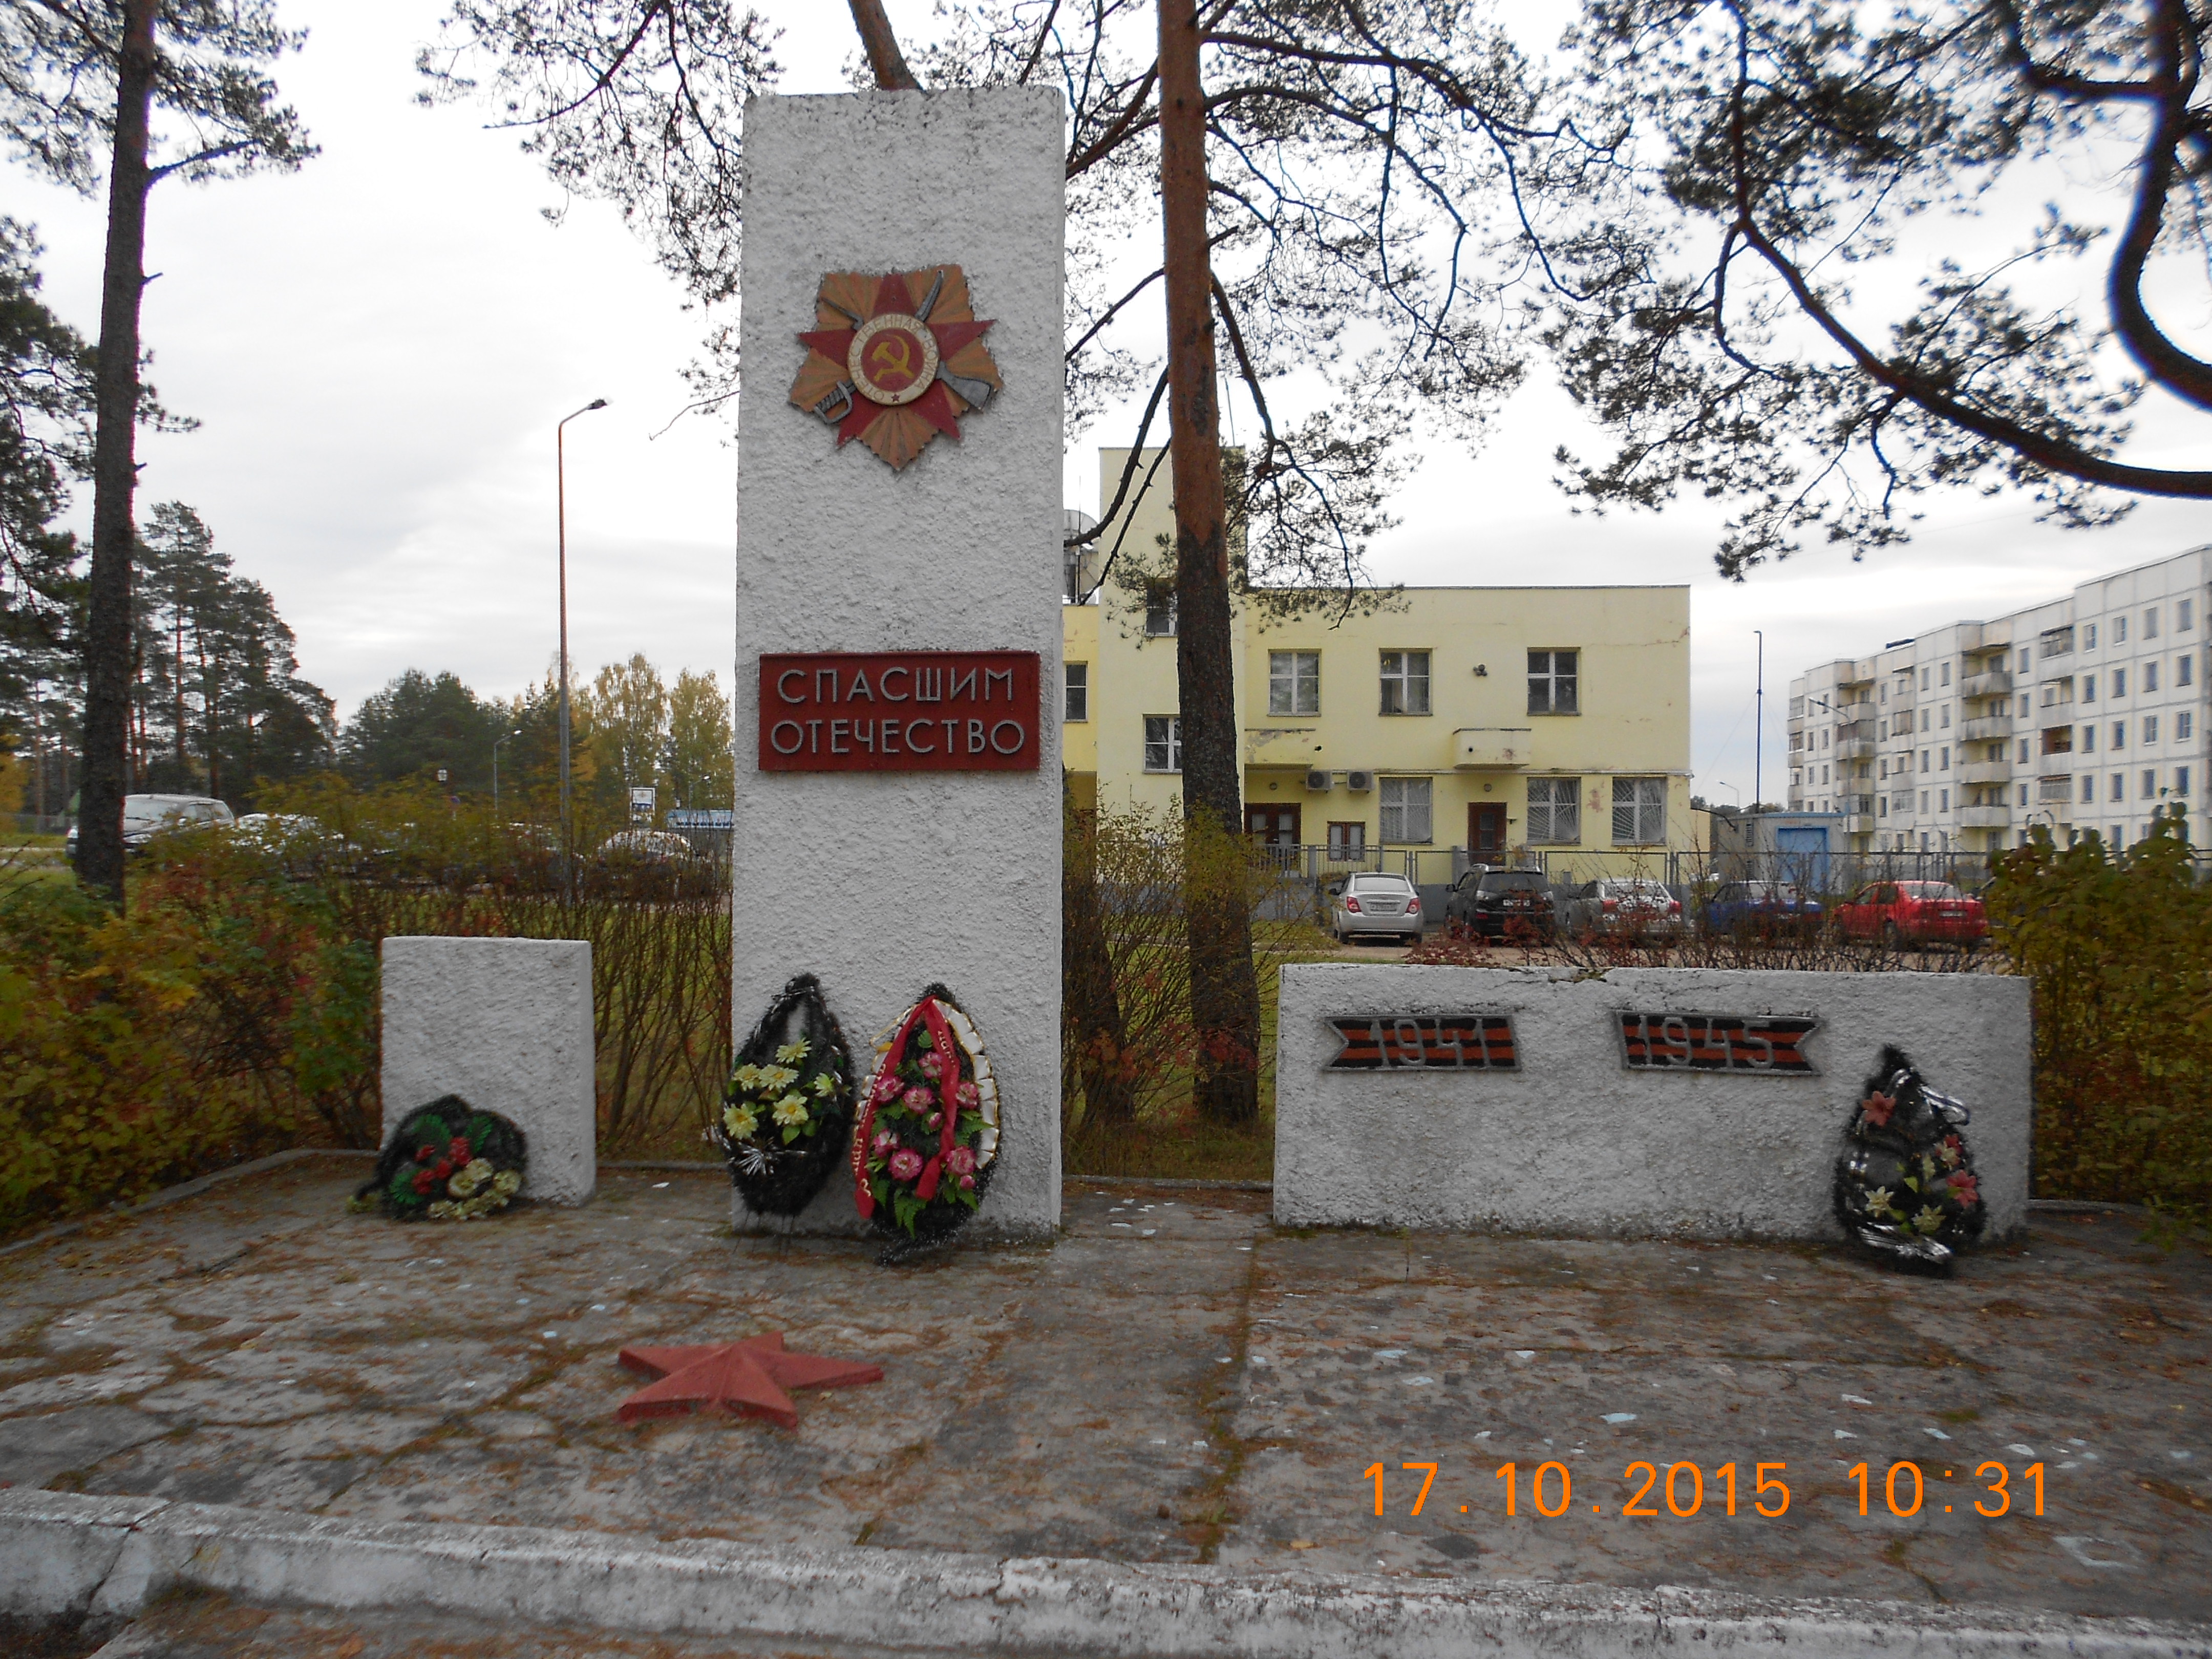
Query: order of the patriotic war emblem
{"x": 895, "y": 359}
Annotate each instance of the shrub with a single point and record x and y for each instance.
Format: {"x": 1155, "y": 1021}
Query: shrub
{"x": 2117, "y": 944}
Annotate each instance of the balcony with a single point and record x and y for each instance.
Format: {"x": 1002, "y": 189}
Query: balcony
{"x": 1993, "y": 683}
{"x": 1988, "y": 726}
{"x": 2059, "y": 788}
{"x": 1854, "y": 749}
{"x": 1860, "y": 708}
{"x": 1986, "y": 771}
{"x": 1506, "y": 746}
{"x": 1858, "y": 824}
{"x": 1984, "y": 818}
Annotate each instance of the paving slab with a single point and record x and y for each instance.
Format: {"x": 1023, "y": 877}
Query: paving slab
{"x": 1174, "y": 1381}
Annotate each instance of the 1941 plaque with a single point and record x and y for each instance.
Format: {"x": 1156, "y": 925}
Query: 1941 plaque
{"x": 899, "y": 711}
{"x": 1437, "y": 1042}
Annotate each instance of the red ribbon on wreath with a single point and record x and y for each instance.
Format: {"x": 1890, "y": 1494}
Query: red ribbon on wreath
{"x": 948, "y": 1092}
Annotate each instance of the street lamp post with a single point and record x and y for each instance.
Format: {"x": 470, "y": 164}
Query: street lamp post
{"x": 560, "y": 509}
{"x": 509, "y": 737}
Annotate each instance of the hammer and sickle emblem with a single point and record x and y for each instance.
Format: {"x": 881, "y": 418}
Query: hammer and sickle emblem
{"x": 890, "y": 357}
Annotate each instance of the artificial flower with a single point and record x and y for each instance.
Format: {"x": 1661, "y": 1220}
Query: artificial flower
{"x": 790, "y": 1109}
{"x": 791, "y": 1053}
{"x": 826, "y": 1085}
{"x": 1878, "y": 1201}
{"x": 960, "y": 1160}
{"x": 906, "y": 1164}
{"x": 1878, "y": 1109}
{"x": 1928, "y": 1219}
{"x": 748, "y": 1077}
{"x": 777, "y": 1076}
{"x": 885, "y": 1144}
{"x": 1950, "y": 1154}
{"x": 931, "y": 1065}
{"x": 967, "y": 1183}
{"x": 933, "y": 1120}
{"x": 916, "y": 1099}
{"x": 738, "y": 1123}
{"x": 1966, "y": 1188}
{"x": 966, "y": 1095}
{"x": 508, "y": 1182}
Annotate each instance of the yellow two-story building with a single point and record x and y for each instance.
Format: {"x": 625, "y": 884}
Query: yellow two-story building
{"x": 1515, "y": 724}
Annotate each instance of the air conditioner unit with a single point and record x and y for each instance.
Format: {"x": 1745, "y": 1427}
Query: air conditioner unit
{"x": 1318, "y": 782}
{"x": 1359, "y": 782}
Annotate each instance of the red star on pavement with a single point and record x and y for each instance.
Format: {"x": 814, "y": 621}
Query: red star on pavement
{"x": 740, "y": 1378}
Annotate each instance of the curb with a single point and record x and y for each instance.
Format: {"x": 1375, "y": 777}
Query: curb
{"x": 68, "y": 1557}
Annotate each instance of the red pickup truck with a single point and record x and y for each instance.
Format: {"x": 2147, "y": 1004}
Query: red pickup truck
{"x": 1914, "y": 913}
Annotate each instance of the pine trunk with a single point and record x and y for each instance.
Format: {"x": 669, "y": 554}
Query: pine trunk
{"x": 1225, "y": 998}
{"x": 107, "y": 633}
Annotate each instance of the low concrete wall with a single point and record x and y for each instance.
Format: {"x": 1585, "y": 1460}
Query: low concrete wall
{"x": 506, "y": 1023}
{"x": 1571, "y": 1140}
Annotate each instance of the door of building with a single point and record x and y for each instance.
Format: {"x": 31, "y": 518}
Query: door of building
{"x": 1272, "y": 825}
{"x": 1486, "y": 832}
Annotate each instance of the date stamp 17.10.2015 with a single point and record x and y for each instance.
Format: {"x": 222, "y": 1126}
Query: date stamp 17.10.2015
{"x": 1685, "y": 1491}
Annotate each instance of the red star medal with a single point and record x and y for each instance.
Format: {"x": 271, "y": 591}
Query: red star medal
{"x": 895, "y": 358}
{"x": 747, "y": 1378}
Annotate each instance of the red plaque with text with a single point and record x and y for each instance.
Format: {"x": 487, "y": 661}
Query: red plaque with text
{"x": 900, "y": 711}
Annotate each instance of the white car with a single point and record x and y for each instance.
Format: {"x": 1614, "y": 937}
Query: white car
{"x": 1370, "y": 903}
{"x": 145, "y": 816}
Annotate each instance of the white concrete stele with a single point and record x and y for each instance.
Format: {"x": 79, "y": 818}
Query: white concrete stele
{"x": 506, "y": 1023}
{"x": 883, "y": 882}
{"x": 1573, "y": 1142}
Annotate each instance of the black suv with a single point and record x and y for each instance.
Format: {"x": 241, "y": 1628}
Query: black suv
{"x": 1489, "y": 901}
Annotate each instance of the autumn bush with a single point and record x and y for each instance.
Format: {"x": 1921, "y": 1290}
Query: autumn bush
{"x": 2117, "y": 944}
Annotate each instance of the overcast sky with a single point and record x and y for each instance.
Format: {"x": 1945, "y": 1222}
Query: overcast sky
{"x": 377, "y": 348}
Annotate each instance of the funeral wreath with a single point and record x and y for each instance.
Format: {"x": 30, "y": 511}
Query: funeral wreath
{"x": 928, "y": 1136}
{"x": 788, "y": 1110}
{"x": 1906, "y": 1188}
{"x": 447, "y": 1162}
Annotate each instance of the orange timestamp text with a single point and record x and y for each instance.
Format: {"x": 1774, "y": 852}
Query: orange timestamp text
{"x": 1684, "y": 1490}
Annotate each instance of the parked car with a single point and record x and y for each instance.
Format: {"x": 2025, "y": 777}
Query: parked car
{"x": 1492, "y": 901}
{"x": 145, "y": 816}
{"x": 1760, "y": 907}
{"x": 304, "y": 845}
{"x": 1623, "y": 904}
{"x": 645, "y": 847}
{"x": 1370, "y": 903}
{"x": 1914, "y": 913}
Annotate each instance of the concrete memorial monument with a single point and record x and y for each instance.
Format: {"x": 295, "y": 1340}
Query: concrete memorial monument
{"x": 506, "y": 1024}
{"x": 1687, "y": 1103}
{"x": 898, "y": 577}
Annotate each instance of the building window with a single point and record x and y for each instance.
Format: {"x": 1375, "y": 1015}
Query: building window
{"x": 2023, "y": 794}
{"x": 1923, "y": 679}
{"x": 2150, "y": 728}
{"x": 2088, "y": 789}
{"x": 2119, "y": 630}
{"x": 1555, "y": 815}
{"x": 1160, "y": 610}
{"x": 1554, "y": 682}
{"x": 1164, "y": 743}
{"x": 2180, "y": 780}
{"x": 2023, "y": 751}
{"x": 2089, "y": 687}
{"x": 2027, "y": 656}
{"x": 2150, "y": 676}
{"x": 2119, "y": 682}
{"x": 1639, "y": 810}
{"x": 2184, "y": 671}
{"x": 2088, "y": 739}
{"x": 2150, "y": 781}
{"x": 1294, "y": 682}
{"x": 1943, "y": 760}
{"x": 1924, "y": 800}
{"x": 1926, "y": 760}
{"x": 1946, "y": 674}
{"x": 2089, "y": 637}
{"x": 2185, "y": 727}
{"x": 1076, "y": 706}
{"x": 1946, "y": 721}
{"x": 2185, "y": 615}
{"x": 1405, "y": 810}
{"x": 1885, "y": 690}
{"x": 1923, "y": 719}
{"x": 1824, "y": 774}
{"x": 1405, "y": 682}
{"x": 2150, "y": 624}
{"x": 2119, "y": 734}
{"x": 2119, "y": 786}
{"x": 1881, "y": 805}
{"x": 2023, "y": 705}
{"x": 1347, "y": 841}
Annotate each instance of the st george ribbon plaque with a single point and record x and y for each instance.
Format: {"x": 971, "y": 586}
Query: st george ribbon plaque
{"x": 899, "y": 711}
{"x": 1715, "y": 1043}
{"x": 1436, "y": 1043}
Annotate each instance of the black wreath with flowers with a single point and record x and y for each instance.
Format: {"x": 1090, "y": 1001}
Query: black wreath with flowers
{"x": 927, "y": 1142}
{"x": 787, "y": 1114}
{"x": 1906, "y": 1188}
{"x": 447, "y": 1162}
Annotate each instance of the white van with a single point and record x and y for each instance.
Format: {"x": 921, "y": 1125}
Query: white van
{"x": 145, "y": 815}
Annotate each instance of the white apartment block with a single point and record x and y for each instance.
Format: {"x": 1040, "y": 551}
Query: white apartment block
{"x": 2086, "y": 713}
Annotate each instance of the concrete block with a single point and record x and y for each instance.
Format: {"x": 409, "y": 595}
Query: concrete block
{"x": 506, "y": 1023}
{"x": 883, "y": 882}
{"x": 1573, "y": 1141}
